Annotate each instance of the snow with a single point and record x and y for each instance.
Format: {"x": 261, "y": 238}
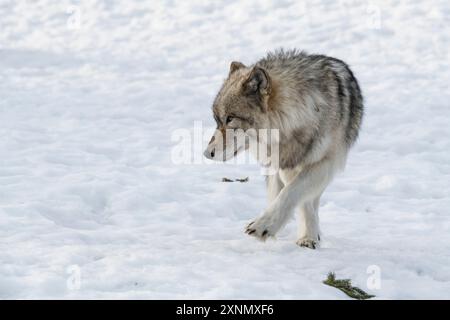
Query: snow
{"x": 92, "y": 91}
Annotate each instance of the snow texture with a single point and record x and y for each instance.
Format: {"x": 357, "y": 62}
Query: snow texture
{"x": 92, "y": 205}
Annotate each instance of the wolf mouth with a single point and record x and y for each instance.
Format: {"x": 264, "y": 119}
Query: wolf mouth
{"x": 237, "y": 150}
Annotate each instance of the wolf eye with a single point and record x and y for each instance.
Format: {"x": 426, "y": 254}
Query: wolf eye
{"x": 229, "y": 119}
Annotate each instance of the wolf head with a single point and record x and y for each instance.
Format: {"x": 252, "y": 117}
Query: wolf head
{"x": 239, "y": 110}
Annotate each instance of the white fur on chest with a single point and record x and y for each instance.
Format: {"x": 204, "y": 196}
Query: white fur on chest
{"x": 287, "y": 175}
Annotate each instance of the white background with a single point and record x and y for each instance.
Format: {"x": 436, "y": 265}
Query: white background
{"x": 91, "y": 92}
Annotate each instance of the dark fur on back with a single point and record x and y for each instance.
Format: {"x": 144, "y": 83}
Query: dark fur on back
{"x": 334, "y": 95}
{"x": 326, "y": 74}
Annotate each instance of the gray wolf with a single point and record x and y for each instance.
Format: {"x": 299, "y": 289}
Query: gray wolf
{"x": 316, "y": 105}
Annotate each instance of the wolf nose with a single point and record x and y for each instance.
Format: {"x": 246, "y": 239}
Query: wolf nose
{"x": 209, "y": 154}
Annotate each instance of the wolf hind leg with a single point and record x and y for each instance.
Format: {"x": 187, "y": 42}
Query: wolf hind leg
{"x": 309, "y": 231}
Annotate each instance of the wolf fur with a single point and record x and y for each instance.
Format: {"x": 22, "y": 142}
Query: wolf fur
{"x": 315, "y": 103}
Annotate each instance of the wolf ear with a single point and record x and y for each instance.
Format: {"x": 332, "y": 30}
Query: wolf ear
{"x": 235, "y": 65}
{"x": 258, "y": 81}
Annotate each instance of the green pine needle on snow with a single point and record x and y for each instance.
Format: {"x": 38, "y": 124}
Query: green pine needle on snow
{"x": 345, "y": 286}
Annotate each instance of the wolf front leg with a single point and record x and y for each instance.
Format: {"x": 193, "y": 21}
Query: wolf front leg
{"x": 305, "y": 187}
{"x": 274, "y": 186}
{"x": 309, "y": 233}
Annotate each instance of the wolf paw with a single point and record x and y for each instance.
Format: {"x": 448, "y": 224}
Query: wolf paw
{"x": 260, "y": 229}
{"x": 308, "y": 243}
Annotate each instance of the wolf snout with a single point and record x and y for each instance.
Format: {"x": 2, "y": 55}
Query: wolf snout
{"x": 209, "y": 153}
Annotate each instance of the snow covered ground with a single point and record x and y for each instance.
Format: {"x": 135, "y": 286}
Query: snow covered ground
{"x": 92, "y": 205}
